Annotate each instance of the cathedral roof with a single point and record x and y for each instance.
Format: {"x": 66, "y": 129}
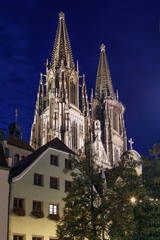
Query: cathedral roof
{"x": 56, "y": 143}
{"x": 104, "y": 87}
{"x": 62, "y": 49}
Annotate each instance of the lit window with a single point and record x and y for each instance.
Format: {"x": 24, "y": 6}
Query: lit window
{"x": 68, "y": 185}
{"x": 53, "y": 209}
{"x": 54, "y": 183}
{"x": 17, "y": 237}
{"x": 68, "y": 164}
{"x": 18, "y": 203}
{"x": 38, "y": 179}
{"x": 37, "y": 206}
{"x": 54, "y": 160}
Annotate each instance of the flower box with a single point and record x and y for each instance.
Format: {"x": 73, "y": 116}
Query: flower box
{"x": 37, "y": 214}
{"x": 54, "y": 217}
{"x": 19, "y": 212}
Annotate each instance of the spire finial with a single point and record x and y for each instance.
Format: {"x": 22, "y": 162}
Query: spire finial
{"x": 61, "y": 15}
{"x": 103, "y": 47}
{"x": 16, "y": 115}
{"x": 131, "y": 143}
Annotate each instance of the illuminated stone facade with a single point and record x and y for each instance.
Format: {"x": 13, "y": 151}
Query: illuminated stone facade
{"x": 57, "y": 112}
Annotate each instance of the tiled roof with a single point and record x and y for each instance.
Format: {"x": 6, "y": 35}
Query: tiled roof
{"x": 3, "y": 162}
{"x": 21, "y": 143}
{"x": 56, "y": 143}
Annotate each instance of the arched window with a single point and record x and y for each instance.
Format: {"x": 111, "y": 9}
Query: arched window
{"x": 16, "y": 159}
{"x": 115, "y": 121}
{"x": 73, "y": 93}
{"x": 74, "y": 135}
{"x": 116, "y": 156}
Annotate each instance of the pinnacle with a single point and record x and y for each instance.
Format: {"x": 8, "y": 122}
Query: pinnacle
{"x": 103, "y": 47}
{"x": 61, "y": 15}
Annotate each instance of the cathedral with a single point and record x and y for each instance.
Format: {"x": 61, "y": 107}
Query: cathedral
{"x": 63, "y": 111}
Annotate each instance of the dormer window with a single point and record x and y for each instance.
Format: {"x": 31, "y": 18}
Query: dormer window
{"x": 16, "y": 159}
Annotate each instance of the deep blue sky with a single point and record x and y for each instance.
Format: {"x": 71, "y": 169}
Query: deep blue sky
{"x": 130, "y": 31}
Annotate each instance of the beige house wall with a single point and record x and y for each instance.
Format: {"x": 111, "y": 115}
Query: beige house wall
{"x": 24, "y": 188}
{"x": 4, "y": 191}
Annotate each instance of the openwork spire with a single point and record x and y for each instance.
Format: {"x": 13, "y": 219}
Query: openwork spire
{"x": 62, "y": 49}
{"x": 104, "y": 86}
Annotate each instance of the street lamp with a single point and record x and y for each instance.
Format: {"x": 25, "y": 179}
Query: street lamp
{"x": 133, "y": 200}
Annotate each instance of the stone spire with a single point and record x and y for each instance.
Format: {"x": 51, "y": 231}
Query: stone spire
{"x": 62, "y": 50}
{"x": 104, "y": 87}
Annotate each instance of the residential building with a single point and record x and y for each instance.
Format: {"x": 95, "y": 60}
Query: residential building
{"x": 38, "y": 183}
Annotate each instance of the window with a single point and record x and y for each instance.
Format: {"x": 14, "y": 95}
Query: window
{"x": 37, "y": 206}
{"x": 54, "y": 183}
{"x": 68, "y": 164}
{"x": 16, "y": 159}
{"x": 38, "y": 179}
{"x": 18, "y": 203}
{"x": 73, "y": 93}
{"x": 68, "y": 185}
{"x": 54, "y": 160}
{"x": 116, "y": 121}
{"x": 53, "y": 209}
{"x": 74, "y": 135}
{"x": 17, "y": 237}
{"x": 36, "y": 238}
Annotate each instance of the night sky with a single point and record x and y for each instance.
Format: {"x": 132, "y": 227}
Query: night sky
{"x": 128, "y": 28}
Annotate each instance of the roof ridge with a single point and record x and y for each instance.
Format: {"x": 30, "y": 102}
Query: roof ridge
{"x": 55, "y": 143}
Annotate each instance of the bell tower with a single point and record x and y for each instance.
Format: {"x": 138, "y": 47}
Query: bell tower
{"x": 57, "y": 112}
{"x": 109, "y": 112}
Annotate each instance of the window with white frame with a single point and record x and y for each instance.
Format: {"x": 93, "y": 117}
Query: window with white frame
{"x": 53, "y": 209}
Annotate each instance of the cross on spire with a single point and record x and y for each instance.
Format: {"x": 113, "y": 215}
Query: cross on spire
{"x": 131, "y": 143}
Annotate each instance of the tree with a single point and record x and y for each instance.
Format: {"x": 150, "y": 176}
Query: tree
{"x": 85, "y": 206}
{"x": 151, "y": 172}
{"x": 139, "y": 219}
{"x": 126, "y": 190}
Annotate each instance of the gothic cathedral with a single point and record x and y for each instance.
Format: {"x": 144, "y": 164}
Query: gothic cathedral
{"x": 58, "y": 114}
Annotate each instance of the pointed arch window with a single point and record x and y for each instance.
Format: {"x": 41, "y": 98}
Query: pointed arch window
{"x": 73, "y": 93}
{"x": 116, "y": 156}
{"x": 116, "y": 121}
{"x": 74, "y": 135}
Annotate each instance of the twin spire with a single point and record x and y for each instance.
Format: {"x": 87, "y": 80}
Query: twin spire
{"x": 62, "y": 50}
{"x": 62, "y": 53}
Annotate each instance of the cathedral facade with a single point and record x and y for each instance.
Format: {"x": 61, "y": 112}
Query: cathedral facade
{"x": 58, "y": 112}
